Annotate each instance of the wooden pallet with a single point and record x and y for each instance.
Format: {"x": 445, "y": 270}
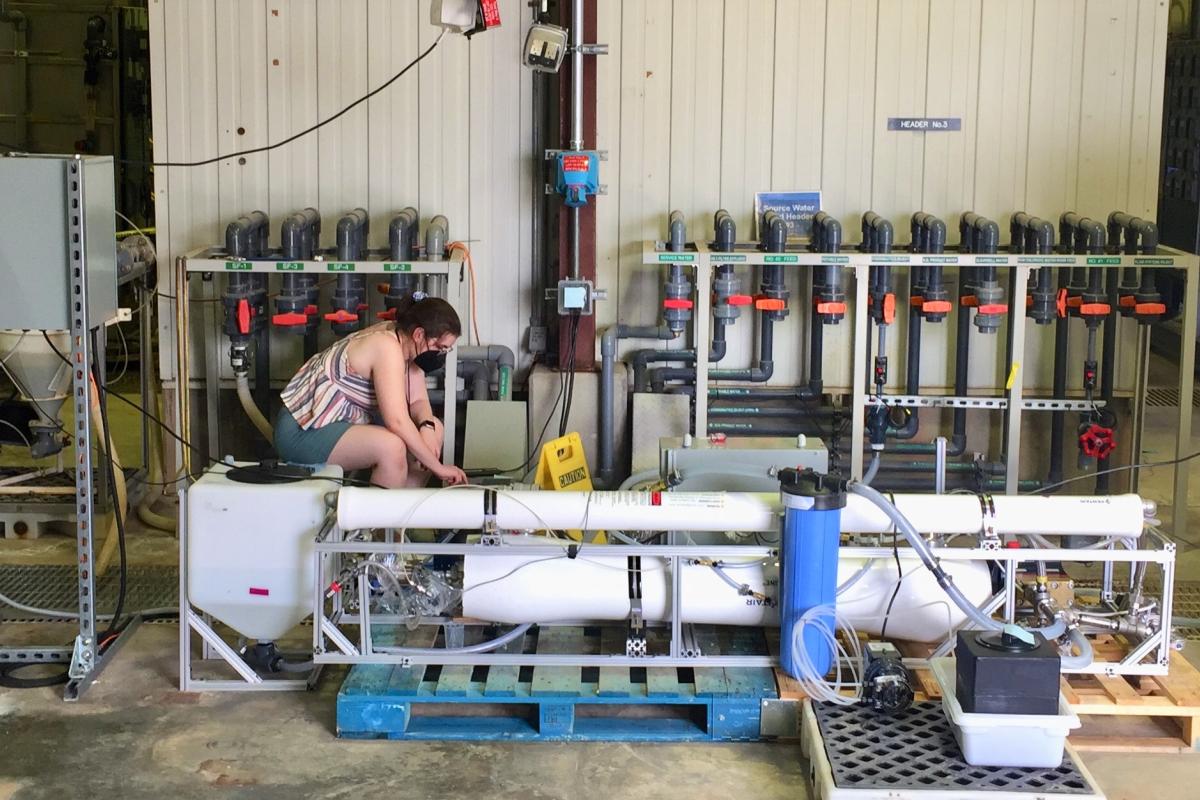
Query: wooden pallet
{"x": 1153, "y": 713}
{"x": 558, "y": 703}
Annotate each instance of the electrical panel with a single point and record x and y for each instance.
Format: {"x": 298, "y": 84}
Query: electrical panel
{"x": 35, "y": 248}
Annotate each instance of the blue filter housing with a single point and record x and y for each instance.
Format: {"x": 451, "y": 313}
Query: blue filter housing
{"x": 812, "y": 527}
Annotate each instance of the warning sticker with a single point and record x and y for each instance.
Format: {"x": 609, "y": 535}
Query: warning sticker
{"x": 575, "y": 163}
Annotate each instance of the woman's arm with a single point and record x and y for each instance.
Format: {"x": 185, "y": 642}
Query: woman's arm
{"x": 388, "y": 375}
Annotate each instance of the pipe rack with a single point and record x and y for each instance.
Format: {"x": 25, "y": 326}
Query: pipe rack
{"x": 1012, "y": 403}
{"x": 217, "y": 260}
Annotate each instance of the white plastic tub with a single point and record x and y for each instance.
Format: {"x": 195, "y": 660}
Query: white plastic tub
{"x": 1004, "y": 740}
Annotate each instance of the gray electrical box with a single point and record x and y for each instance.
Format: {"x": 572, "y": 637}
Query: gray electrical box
{"x": 36, "y": 248}
{"x": 740, "y": 464}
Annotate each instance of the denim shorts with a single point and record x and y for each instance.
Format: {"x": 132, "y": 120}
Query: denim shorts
{"x": 297, "y": 445}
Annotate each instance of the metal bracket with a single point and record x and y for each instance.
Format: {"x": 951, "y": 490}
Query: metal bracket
{"x": 993, "y": 403}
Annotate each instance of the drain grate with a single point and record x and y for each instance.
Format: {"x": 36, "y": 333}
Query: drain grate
{"x": 1168, "y": 397}
{"x": 916, "y": 750}
{"x": 55, "y": 587}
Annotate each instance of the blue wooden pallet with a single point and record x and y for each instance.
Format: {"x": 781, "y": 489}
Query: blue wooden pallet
{"x": 637, "y": 704}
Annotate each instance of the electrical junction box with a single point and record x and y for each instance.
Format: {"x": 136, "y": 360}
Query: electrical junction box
{"x": 739, "y": 464}
{"x": 545, "y": 47}
{"x": 575, "y": 297}
{"x": 250, "y": 559}
{"x": 577, "y": 175}
{"x": 35, "y": 246}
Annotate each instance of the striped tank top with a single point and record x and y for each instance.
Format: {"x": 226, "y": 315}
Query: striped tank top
{"x": 326, "y": 390}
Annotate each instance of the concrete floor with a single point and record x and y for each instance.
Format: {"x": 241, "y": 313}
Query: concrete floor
{"x": 135, "y": 735}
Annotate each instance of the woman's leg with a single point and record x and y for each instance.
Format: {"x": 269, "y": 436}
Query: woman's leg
{"x": 375, "y": 447}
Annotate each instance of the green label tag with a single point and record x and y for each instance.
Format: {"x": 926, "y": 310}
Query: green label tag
{"x": 939, "y": 260}
{"x": 238, "y": 266}
{"x": 340, "y": 266}
{"x": 878, "y": 259}
{"x": 726, "y": 258}
{"x": 1105, "y": 260}
{"x": 289, "y": 266}
{"x": 663, "y": 257}
{"x": 781, "y": 259}
{"x": 397, "y": 267}
{"x": 991, "y": 259}
{"x": 835, "y": 259}
{"x": 1159, "y": 261}
{"x": 1046, "y": 260}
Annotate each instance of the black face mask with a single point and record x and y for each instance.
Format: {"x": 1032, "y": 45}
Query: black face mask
{"x": 430, "y": 361}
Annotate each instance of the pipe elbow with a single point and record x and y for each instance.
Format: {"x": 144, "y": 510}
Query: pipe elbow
{"x": 935, "y": 234}
{"x": 1147, "y": 235}
{"x": 725, "y": 230}
{"x": 832, "y": 235}
{"x": 987, "y": 235}
{"x": 884, "y": 234}
{"x": 774, "y": 236}
{"x": 676, "y": 232}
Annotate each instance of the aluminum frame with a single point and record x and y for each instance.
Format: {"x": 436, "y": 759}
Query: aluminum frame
{"x": 1012, "y": 402}
{"x": 332, "y": 546}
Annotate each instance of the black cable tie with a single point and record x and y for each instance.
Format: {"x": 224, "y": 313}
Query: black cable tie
{"x": 572, "y": 551}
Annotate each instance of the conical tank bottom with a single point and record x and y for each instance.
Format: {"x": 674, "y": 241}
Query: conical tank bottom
{"x": 41, "y": 376}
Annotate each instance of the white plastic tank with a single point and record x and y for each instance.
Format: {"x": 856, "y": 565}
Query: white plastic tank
{"x": 42, "y": 378}
{"x": 250, "y": 549}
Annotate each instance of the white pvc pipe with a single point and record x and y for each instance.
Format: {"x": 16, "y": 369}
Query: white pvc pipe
{"x": 1113, "y": 515}
{"x": 516, "y": 589}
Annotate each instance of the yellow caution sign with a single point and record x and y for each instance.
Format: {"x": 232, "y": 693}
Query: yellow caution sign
{"x": 562, "y": 467}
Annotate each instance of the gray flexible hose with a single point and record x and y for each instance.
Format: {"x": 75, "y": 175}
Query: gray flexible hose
{"x": 1084, "y": 658}
{"x": 872, "y": 468}
{"x": 482, "y": 647}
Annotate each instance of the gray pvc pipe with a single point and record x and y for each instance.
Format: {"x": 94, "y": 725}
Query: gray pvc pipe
{"x": 437, "y": 234}
{"x": 246, "y": 236}
{"x": 608, "y": 358}
{"x": 479, "y": 375}
{"x": 499, "y": 354}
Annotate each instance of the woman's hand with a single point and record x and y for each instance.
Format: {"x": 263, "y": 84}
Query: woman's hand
{"x": 450, "y": 475}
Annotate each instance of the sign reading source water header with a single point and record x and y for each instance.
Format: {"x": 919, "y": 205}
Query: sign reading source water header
{"x": 727, "y": 258}
{"x": 924, "y": 124}
{"x": 796, "y": 208}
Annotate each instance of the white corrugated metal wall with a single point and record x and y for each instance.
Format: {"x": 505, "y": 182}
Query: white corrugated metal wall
{"x": 701, "y": 104}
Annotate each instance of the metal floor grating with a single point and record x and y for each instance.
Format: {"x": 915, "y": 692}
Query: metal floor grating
{"x": 916, "y": 750}
{"x": 1168, "y": 397}
{"x": 55, "y": 587}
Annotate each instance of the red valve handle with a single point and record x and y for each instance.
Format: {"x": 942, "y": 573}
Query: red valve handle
{"x": 244, "y": 313}
{"x": 342, "y": 316}
{"x": 290, "y": 319}
{"x": 769, "y": 304}
{"x": 677, "y": 304}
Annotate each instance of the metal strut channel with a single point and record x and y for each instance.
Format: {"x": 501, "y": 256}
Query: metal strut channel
{"x": 635, "y": 641}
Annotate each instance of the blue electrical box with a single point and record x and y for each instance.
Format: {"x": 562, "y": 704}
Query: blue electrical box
{"x": 577, "y": 176}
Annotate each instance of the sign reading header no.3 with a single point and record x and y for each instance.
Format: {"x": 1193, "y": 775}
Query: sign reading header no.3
{"x": 924, "y": 124}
